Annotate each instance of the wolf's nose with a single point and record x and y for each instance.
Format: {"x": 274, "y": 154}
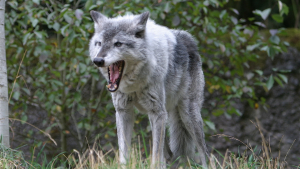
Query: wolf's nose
{"x": 99, "y": 62}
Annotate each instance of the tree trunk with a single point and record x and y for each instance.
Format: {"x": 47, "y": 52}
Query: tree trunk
{"x": 296, "y": 9}
{"x": 4, "y": 125}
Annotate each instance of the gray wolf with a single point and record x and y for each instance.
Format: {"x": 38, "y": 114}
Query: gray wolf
{"x": 158, "y": 71}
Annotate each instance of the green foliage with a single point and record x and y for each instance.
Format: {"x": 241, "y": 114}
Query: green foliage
{"x": 56, "y": 69}
{"x": 57, "y": 75}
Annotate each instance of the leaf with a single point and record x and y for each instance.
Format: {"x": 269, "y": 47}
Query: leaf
{"x": 252, "y": 47}
{"x": 236, "y": 82}
{"x": 59, "y": 83}
{"x": 49, "y": 17}
{"x": 56, "y": 26}
{"x": 275, "y": 39}
{"x": 222, "y": 14}
{"x": 286, "y": 43}
{"x": 270, "y": 82}
{"x": 273, "y": 31}
{"x": 284, "y": 78}
{"x": 24, "y": 118}
{"x": 39, "y": 35}
{"x": 265, "y": 48}
{"x": 206, "y": 3}
{"x": 176, "y": 20}
{"x": 25, "y": 38}
{"x": 68, "y": 18}
{"x": 280, "y": 6}
{"x": 210, "y": 124}
{"x": 58, "y": 101}
{"x": 87, "y": 126}
{"x": 34, "y": 21}
{"x": 56, "y": 73}
{"x": 82, "y": 67}
{"x": 167, "y": 7}
{"x": 16, "y": 95}
{"x": 79, "y": 14}
{"x": 13, "y": 4}
{"x": 248, "y": 31}
{"x": 63, "y": 29}
{"x": 278, "y": 81}
{"x": 26, "y": 91}
{"x": 260, "y": 24}
{"x": 285, "y": 10}
{"x": 211, "y": 28}
{"x": 88, "y": 4}
{"x": 271, "y": 51}
{"x": 218, "y": 112}
{"x": 36, "y": 1}
{"x": 234, "y": 20}
{"x": 259, "y": 72}
{"x": 238, "y": 112}
{"x": 93, "y": 7}
{"x": 277, "y": 18}
{"x": 222, "y": 48}
{"x": 235, "y": 11}
{"x": 77, "y": 96}
{"x": 264, "y": 14}
{"x": 58, "y": 108}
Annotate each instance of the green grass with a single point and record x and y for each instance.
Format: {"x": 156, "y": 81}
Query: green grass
{"x": 10, "y": 158}
{"x": 94, "y": 157}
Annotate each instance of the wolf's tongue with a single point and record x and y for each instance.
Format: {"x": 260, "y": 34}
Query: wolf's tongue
{"x": 114, "y": 73}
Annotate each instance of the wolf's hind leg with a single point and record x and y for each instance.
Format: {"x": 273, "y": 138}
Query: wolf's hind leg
{"x": 158, "y": 122}
{"x": 197, "y": 123}
{"x": 192, "y": 121}
{"x": 181, "y": 142}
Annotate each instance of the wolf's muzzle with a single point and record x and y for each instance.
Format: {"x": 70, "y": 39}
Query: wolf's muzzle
{"x": 99, "y": 61}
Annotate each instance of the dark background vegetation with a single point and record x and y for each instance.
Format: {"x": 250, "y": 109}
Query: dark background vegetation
{"x": 250, "y": 59}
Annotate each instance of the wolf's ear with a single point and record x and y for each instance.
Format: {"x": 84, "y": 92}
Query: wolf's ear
{"x": 143, "y": 18}
{"x": 141, "y": 24}
{"x": 98, "y": 19}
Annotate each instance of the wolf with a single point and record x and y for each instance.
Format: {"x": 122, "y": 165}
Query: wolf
{"x": 158, "y": 71}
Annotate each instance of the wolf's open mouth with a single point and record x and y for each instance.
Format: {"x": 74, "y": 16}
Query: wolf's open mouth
{"x": 115, "y": 74}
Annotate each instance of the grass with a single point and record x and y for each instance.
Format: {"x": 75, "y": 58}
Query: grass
{"x": 252, "y": 158}
{"x": 256, "y": 159}
{"x": 94, "y": 157}
{"x": 10, "y": 158}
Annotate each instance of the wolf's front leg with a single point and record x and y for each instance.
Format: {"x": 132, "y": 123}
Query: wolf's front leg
{"x": 124, "y": 128}
{"x": 125, "y": 120}
{"x": 158, "y": 122}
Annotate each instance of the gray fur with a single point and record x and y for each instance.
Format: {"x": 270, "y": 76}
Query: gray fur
{"x": 162, "y": 77}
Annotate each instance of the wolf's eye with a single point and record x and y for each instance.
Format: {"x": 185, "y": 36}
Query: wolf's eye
{"x": 139, "y": 34}
{"x": 118, "y": 44}
{"x": 97, "y": 43}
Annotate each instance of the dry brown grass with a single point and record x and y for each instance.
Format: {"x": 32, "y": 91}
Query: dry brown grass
{"x": 95, "y": 158}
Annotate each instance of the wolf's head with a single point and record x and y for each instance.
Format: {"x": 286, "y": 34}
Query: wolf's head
{"x": 117, "y": 42}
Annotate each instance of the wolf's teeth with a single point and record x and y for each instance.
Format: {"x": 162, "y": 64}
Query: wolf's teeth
{"x": 108, "y": 86}
{"x": 115, "y": 86}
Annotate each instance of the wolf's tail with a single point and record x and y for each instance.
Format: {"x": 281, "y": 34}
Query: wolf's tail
{"x": 188, "y": 129}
